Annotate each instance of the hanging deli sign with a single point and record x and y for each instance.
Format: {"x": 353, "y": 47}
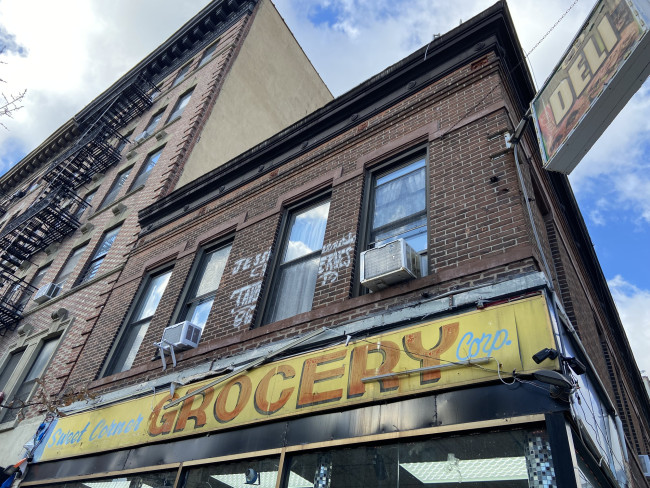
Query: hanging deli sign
{"x": 332, "y": 378}
{"x": 605, "y": 65}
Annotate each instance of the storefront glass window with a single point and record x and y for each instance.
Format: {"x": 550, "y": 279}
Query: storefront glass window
{"x": 262, "y": 473}
{"x": 502, "y": 459}
{"x": 160, "y": 479}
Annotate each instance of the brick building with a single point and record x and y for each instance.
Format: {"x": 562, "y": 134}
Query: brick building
{"x": 498, "y": 359}
{"x": 70, "y": 214}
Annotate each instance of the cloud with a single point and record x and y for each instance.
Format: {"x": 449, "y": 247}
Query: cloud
{"x": 616, "y": 172}
{"x": 8, "y": 43}
{"x": 633, "y": 304}
{"x": 75, "y": 49}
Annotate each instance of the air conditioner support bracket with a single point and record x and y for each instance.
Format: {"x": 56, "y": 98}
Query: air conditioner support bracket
{"x": 161, "y": 346}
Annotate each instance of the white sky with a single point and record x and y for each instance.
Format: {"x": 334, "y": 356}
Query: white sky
{"x": 77, "y": 48}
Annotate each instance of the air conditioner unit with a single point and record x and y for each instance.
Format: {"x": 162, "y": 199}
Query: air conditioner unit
{"x": 184, "y": 335}
{"x": 390, "y": 263}
{"x": 46, "y": 292}
{"x": 644, "y": 460}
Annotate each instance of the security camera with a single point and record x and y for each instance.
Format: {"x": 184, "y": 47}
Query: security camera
{"x": 545, "y": 354}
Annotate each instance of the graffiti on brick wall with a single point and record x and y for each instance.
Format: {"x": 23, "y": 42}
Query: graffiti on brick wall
{"x": 256, "y": 264}
{"x": 335, "y": 256}
{"x": 246, "y": 297}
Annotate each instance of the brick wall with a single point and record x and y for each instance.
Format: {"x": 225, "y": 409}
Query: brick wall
{"x": 477, "y": 234}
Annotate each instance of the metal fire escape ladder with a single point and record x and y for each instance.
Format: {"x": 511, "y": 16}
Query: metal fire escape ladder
{"x": 53, "y": 216}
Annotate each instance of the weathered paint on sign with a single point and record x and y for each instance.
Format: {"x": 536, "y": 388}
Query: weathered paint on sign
{"x": 325, "y": 379}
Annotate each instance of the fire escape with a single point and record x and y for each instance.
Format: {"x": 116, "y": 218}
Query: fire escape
{"x": 54, "y": 214}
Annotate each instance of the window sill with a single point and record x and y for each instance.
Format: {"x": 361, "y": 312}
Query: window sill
{"x": 119, "y": 200}
{"x": 8, "y": 425}
{"x": 72, "y": 291}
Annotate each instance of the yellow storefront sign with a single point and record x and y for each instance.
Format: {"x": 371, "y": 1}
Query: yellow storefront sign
{"x": 327, "y": 379}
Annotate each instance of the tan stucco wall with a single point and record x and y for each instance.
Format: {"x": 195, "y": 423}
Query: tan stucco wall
{"x": 271, "y": 85}
{"x": 11, "y": 450}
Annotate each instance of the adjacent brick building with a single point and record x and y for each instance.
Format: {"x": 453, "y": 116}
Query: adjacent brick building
{"x": 123, "y": 151}
{"x": 502, "y": 361}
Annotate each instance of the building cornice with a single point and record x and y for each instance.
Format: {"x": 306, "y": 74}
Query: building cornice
{"x": 197, "y": 33}
{"x": 490, "y": 31}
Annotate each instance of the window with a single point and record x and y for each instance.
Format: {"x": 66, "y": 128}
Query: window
{"x": 68, "y": 268}
{"x": 88, "y": 198}
{"x": 153, "y": 123}
{"x": 136, "y": 327}
{"x": 36, "y": 283}
{"x": 293, "y": 285}
{"x": 115, "y": 188}
{"x": 122, "y": 142}
{"x": 9, "y": 367}
{"x": 100, "y": 253}
{"x": 148, "y": 165}
{"x": 24, "y": 390}
{"x": 207, "y": 54}
{"x": 181, "y": 75}
{"x": 180, "y": 106}
{"x": 398, "y": 207}
{"x": 204, "y": 286}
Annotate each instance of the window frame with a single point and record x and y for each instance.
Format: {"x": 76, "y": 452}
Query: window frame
{"x": 188, "y": 297}
{"x": 154, "y": 121}
{"x": 105, "y": 201}
{"x": 90, "y": 263}
{"x": 29, "y": 356}
{"x": 174, "y": 115}
{"x": 182, "y": 74}
{"x": 136, "y": 181}
{"x": 82, "y": 208}
{"x": 383, "y": 168}
{"x": 207, "y": 57}
{"x": 57, "y": 280}
{"x": 109, "y": 366}
{"x": 274, "y": 265}
{"x": 26, "y": 295}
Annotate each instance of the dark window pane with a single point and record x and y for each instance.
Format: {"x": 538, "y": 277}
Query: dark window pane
{"x": 497, "y": 459}
{"x": 160, "y": 479}
{"x": 36, "y": 283}
{"x": 69, "y": 267}
{"x": 233, "y": 474}
{"x": 207, "y": 54}
{"x": 115, "y": 188}
{"x": 148, "y": 165}
{"x": 151, "y": 126}
{"x": 9, "y": 368}
{"x": 181, "y": 75}
{"x": 180, "y": 106}
{"x": 21, "y": 395}
{"x": 134, "y": 331}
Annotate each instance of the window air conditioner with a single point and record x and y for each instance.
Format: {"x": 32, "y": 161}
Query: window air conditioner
{"x": 184, "y": 335}
{"x": 388, "y": 264}
{"x": 644, "y": 460}
{"x": 46, "y": 292}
